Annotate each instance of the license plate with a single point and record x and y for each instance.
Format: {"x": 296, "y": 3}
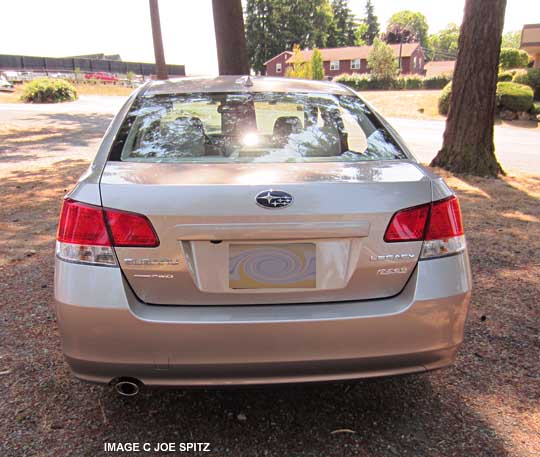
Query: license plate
{"x": 272, "y": 266}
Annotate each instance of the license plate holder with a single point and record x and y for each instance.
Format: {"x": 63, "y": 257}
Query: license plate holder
{"x": 273, "y": 266}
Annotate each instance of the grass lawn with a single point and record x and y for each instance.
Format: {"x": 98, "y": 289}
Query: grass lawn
{"x": 414, "y": 104}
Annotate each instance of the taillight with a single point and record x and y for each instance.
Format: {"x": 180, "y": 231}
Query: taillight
{"x": 84, "y": 233}
{"x": 438, "y": 224}
{"x": 445, "y": 220}
{"x": 129, "y": 229}
{"x": 408, "y": 224}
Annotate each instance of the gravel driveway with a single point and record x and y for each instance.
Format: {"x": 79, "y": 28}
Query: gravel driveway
{"x": 488, "y": 404}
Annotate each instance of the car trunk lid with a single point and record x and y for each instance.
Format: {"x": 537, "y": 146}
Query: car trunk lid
{"x": 219, "y": 247}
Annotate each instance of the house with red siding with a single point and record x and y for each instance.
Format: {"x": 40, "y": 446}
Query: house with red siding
{"x": 351, "y": 59}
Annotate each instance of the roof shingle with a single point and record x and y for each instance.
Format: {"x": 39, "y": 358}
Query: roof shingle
{"x": 353, "y": 52}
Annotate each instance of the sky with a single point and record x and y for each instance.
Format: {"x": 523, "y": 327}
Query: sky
{"x": 56, "y": 28}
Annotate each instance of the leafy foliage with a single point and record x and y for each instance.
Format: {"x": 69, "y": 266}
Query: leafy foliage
{"x": 512, "y": 96}
{"x": 511, "y": 40}
{"x": 381, "y": 60}
{"x": 513, "y": 58}
{"x": 317, "y": 68}
{"x": 444, "y": 99}
{"x": 515, "y": 97}
{"x": 47, "y": 90}
{"x": 437, "y": 82}
{"x": 529, "y": 77}
{"x": 443, "y": 45}
{"x": 372, "y": 28}
{"x": 407, "y": 26}
{"x": 342, "y": 31}
{"x": 273, "y": 26}
{"x": 506, "y": 75}
{"x": 298, "y": 67}
{"x": 369, "y": 82}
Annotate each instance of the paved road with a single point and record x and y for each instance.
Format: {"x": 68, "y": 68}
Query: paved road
{"x": 517, "y": 148}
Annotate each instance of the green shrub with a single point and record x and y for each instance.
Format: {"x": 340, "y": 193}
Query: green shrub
{"x": 506, "y": 75}
{"x": 515, "y": 97}
{"x": 365, "y": 82}
{"x": 437, "y": 82}
{"x": 412, "y": 82}
{"x": 444, "y": 99}
{"x": 512, "y": 96}
{"x": 47, "y": 90}
{"x": 354, "y": 81}
{"x": 369, "y": 82}
{"x": 513, "y": 58}
{"x": 531, "y": 78}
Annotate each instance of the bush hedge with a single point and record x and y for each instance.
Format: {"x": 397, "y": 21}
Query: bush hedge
{"x": 513, "y": 58}
{"x": 47, "y": 90}
{"x": 444, "y": 99}
{"x": 368, "y": 82}
{"x": 437, "y": 82}
{"x": 506, "y": 75}
{"x": 511, "y": 96}
{"x": 529, "y": 77}
{"x": 515, "y": 97}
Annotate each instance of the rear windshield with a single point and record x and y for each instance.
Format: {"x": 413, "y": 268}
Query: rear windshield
{"x": 252, "y": 127}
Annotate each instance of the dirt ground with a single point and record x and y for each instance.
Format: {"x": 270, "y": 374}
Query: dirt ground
{"x": 488, "y": 404}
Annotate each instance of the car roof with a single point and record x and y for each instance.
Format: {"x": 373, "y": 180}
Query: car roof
{"x": 243, "y": 84}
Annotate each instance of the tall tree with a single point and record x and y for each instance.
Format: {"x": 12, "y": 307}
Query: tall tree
{"x": 273, "y": 26}
{"x": 342, "y": 31}
{"x": 413, "y": 22}
{"x": 317, "y": 68}
{"x": 373, "y": 27}
{"x": 262, "y": 32}
{"x": 381, "y": 60}
{"x": 511, "y": 39}
{"x": 444, "y": 44}
{"x": 230, "y": 37}
{"x": 299, "y": 67}
{"x": 468, "y": 139}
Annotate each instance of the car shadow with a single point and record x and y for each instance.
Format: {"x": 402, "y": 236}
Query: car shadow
{"x": 51, "y": 135}
{"x": 395, "y": 416}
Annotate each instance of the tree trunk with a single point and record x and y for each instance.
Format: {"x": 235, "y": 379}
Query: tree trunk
{"x": 230, "y": 37}
{"x": 468, "y": 139}
{"x": 161, "y": 68}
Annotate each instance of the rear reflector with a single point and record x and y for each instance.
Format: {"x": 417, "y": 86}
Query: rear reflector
{"x": 82, "y": 224}
{"x": 129, "y": 229}
{"x": 408, "y": 224}
{"x": 438, "y": 224}
{"x": 83, "y": 233}
{"x": 445, "y": 220}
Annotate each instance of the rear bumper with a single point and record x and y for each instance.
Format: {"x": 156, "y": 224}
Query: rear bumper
{"x": 107, "y": 333}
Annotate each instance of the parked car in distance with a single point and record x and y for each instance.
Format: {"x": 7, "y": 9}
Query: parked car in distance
{"x": 12, "y": 76}
{"x": 6, "y": 86}
{"x": 101, "y": 76}
{"x": 242, "y": 230}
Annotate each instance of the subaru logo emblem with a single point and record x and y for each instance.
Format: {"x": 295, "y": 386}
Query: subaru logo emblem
{"x": 273, "y": 199}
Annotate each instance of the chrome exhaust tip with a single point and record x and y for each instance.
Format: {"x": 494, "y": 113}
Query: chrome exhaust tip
{"x": 127, "y": 387}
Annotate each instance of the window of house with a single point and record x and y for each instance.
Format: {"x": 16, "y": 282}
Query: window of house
{"x": 355, "y": 64}
{"x": 334, "y": 65}
{"x": 278, "y": 68}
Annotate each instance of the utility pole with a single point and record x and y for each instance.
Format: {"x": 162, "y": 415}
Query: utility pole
{"x": 230, "y": 37}
{"x": 161, "y": 68}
